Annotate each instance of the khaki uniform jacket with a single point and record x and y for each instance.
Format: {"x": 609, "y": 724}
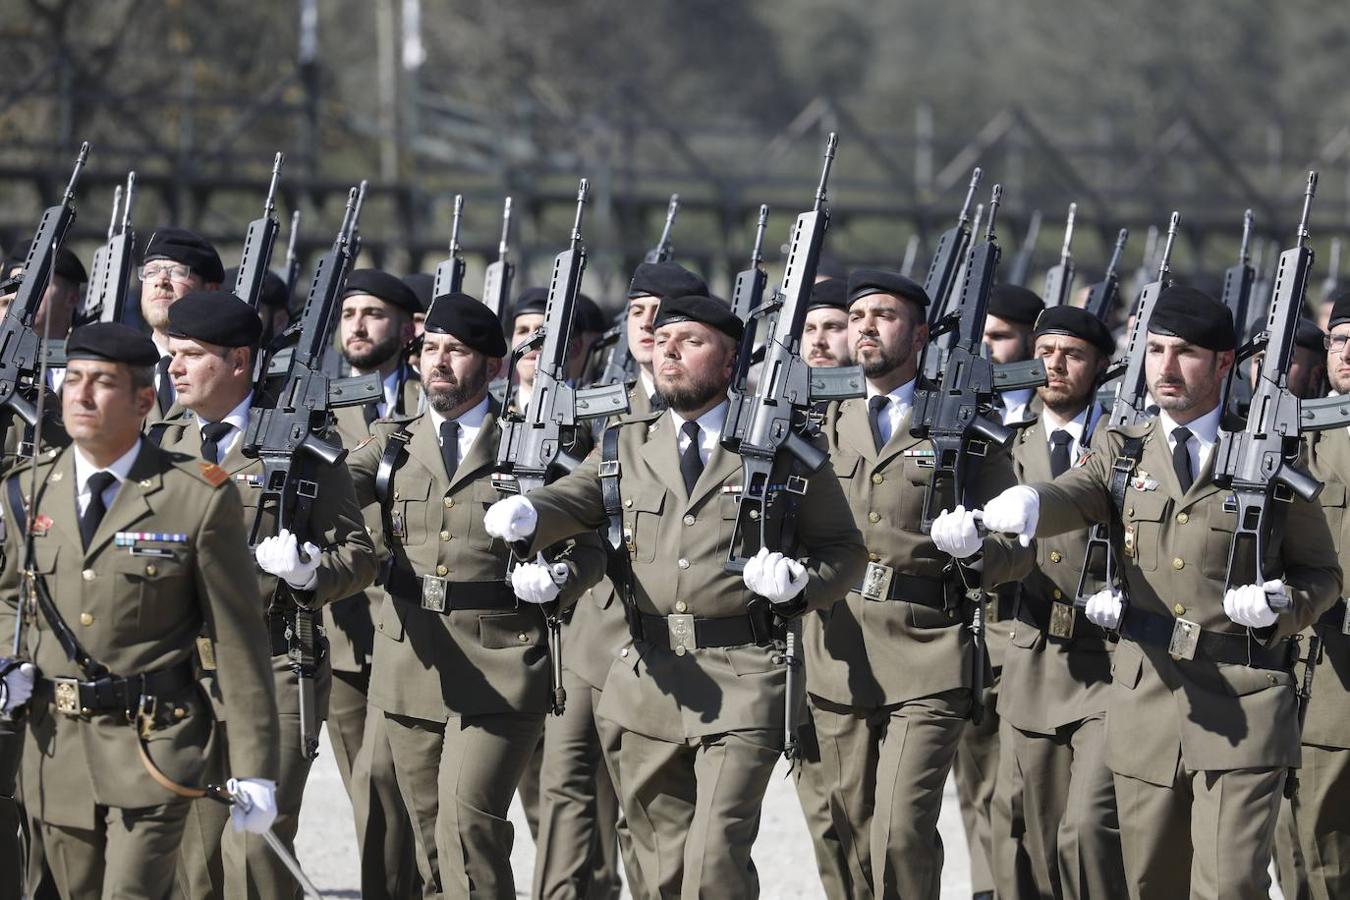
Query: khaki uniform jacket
{"x": 1208, "y": 715}
{"x": 871, "y": 654}
{"x": 679, "y": 549}
{"x": 140, "y": 614}
{"x": 1049, "y": 682}
{"x": 1327, "y": 723}
{"x": 430, "y": 665}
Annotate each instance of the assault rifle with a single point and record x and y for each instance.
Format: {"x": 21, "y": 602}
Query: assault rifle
{"x": 259, "y": 240}
{"x": 106, "y": 296}
{"x": 21, "y": 347}
{"x": 663, "y": 251}
{"x": 291, "y": 437}
{"x": 942, "y": 272}
{"x": 770, "y": 429}
{"x": 450, "y": 271}
{"x": 1102, "y": 296}
{"x": 748, "y": 293}
{"x": 292, "y": 257}
{"x": 497, "y": 279}
{"x": 1238, "y": 279}
{"x": 1020, "y": 270}
{"x": 1059, "y": 280}
{"x": 538, "y": 445}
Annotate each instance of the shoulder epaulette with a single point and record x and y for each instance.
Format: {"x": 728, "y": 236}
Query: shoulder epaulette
{"x": 213, "y": 474}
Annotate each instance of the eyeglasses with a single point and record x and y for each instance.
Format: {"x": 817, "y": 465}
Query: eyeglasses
{"x": 1336, "y": 342}
{"x": 152, "y": 272}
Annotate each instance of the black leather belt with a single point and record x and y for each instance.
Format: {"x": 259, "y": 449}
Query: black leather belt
{"x": 930, "y": 592}
{"x": 685, "y": 632}
{"x": 114, "y": 693}
{"x": 403, "y": 584}
{"x": 1231, "y": 649}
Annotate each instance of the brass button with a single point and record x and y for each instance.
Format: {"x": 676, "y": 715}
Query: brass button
{"x": 628, "y": 504}
{"x": 1179, "y": 609}
{"x": 1271, "y": 678}
{"x": 87, "y": 574}
{"x": 681, "y": 606}
{"x": 1056, "y": 556}
{"x": 151, "y": 569}
{"x": 1130, "y": 511}
{"x": 878, "y": 478}
{"x": 1182, "y": 518}
{"x": 442, "y": 571}
{"x": 689, "y": 520}
{"x": 445, "y": 535}
{"x": 449, "y": 502}
{"x": 524, "y": 638}
{"x": 86, "y": 619}
{"x": 624, "y": 652}
{"x": 179, "y": 712}
{"x": 874, "y": 557}
{"x": 874, "y": 517}
{"x": 1178, "y": 563}
{"x": 1058, "y": 594}
{"x": 396, "y": 496}
{"x": 754, "y": 514}
{"x": 683, "y": 563}
{"x": 679, "y": 650}
{"x": 146, "y": 482}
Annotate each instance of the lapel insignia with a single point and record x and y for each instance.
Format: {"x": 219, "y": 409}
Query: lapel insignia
{"x": 1083, "y": 458}
{"x": 213, "y": 474}
{"x": 364, "y": 441}
{"x": 56, "y": 476}
{"x": 1129, "y": 543}
{"x": 42, "y": 524}
{"x": 1141, "y": 481}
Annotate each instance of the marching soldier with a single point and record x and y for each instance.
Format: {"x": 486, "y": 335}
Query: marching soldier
{"x": 213, "y": 336}
{"x": 461, "y": 668}
{"x": 176, "y": 263}
{"x": 1057, "y": 666}
{"x": 825, "y": 334}
{"x": 375, "y": 327}
{"x": 138, "y": 549}
{"x": 889, "y": 669}
{"x": 698, "y": 692}
{"x": 1008, "y": 326}
{"x": 652, "y": 283}
{"x": 1201, "y": 717}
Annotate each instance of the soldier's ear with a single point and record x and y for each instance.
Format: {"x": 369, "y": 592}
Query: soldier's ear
{"x": 145, "y": 399}
{"x": 494, "y": 367}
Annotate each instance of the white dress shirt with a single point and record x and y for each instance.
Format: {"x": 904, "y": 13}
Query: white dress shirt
{"x": 85, "y": 467}
{"x": 709, "y": 430}
{"x": 901, "y": 399}
{"x": 1015, "y": 404}
{"x": 390, "y": 402}
{"x": 1076, "y": 428}
{"x": 1204, "y": 432}
{"x": 648, "y": 382}
{"x": 470, "y": 423}
{"x": 237, "y": 419}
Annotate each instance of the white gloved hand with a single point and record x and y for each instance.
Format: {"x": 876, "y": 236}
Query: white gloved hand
{"x": 1250, "y": 604}
{"x": 255, "y": 804}
{"x": 511, "y": 519}
{"x": 1105, "y": 608}
{"x": 280, "y": 556}
{"x": 1015, "y": 511}
{"x": 955, "y": 533}
{"x": 534, "y": 582}
{"x": 773, "y": 576}
{"x": 18, "y": 685}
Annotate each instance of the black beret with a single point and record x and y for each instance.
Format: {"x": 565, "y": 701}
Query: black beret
{"x": 1015, "y": 304}
{"x": 589, "y": 315}
{"x": 1309, "y": 336}
{"x": 68, "y": 265}
{"x": 710, "y": 311}
{"x": 666, "y": 280}
{"x": 383, "y": 286}
{"x": 421, "y": 284}
{"x": 1193, "y": 316}
{"x": 1340, "y": 306}
{"x": 216, "y": 317}
{"x": 532, "y": 300}
{"x": 188, "y": 248}
{"x": 465, "y": 318}
{"x": 1076, "y": 322}
{"x": 112, "y": 342}
{"x": 273, "y": 289}
{"x": 865, "y": 282}
{"x": 832, "y": 292}
{"x": 829, "y": 267}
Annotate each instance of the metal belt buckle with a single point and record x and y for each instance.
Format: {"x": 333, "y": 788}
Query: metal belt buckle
{"x": 1062, "y": 617}
{"x": 1185, "y": 639}
{"x": 1345, "y": 620}
{"x": 877, "y": 582}
{"x": 67, "y": 695}
{"x": 682, "y": 638}
{"x": 433, "y": 593}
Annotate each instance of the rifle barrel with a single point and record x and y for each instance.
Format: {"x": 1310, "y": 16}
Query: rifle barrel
{"x": 75, "y": 175}
{"x": 1244, "y": 255}
{"x": 117, "y": 207}
{"x": 454, "y": 225}
{"x": 830, "y": 144}
{"x": 975, "y": 177}
{"x": 1307, "y": 207}
{"x": 1164, "y": 264}
{"x": 506, "y": 228}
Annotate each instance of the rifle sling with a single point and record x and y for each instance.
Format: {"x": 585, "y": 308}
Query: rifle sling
{"x": 620, "y": 565}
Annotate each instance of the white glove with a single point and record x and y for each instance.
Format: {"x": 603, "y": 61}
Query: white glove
{"x": 1015, "y": 511}
{"x": 534, "y": 582}
{"x": 773, "y": 576}
{"x": 1105, "y": 607}
{"x": 280, "y": 556}
{"x": 955, "y": 533}
{"x": 511, "y": 519}
{"x": 1250, "y": 605}
{"x": 18, "y": 685}
{"x": 255, "y": 804}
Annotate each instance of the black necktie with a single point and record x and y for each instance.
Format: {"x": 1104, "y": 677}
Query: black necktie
{"x": 1059, "y": 452}
{"x": 164, "y": 387}
{"x": 874, "y": 409}
{"x": 691, "y": 462}
{"x": 450, "y": 447}
{"x": 371, "y": 412}
{"x": 212, "y": 432}
{"x": 93, "y": 513}
{"x": 1181, "y": 457}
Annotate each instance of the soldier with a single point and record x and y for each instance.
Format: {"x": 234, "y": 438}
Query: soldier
{"x": 1007, "y": 333}
{"x": 176, "y": 263}
{"x": 61, "y": 301}
{"x": 375, "y": 328}
{"x": 1201, "y": 716}
{"x": 1057, "y": 666}
{"x": 460, "y": 669}
{"x": 138, "y": 549}
{"x": 889, "y": 669}
{"x": 825, "y": 335}
{"x": 526, "y": 318}
{"x": 652, "y": 283}
{"x": 213, "y": 336}
{"x": 422, "y": 284}
{"x": 273, "y": 304}
{"x": 698, "y": 692}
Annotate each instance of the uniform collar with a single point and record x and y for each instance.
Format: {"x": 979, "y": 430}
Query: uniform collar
{"x": 84, "y": 467}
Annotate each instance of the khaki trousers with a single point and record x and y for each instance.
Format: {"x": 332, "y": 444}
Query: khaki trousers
{"x": 813, "y": 792}
{"x": 130, "y": 855}
{"x": 384, "y": 832}
{"x": 1322, "y": 815}
{"x": 975, "y": 770}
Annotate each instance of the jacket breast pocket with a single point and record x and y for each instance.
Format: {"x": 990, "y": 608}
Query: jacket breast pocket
{"x": 412, "y": 510}
{"x": 1142, "y": 538}
{"x": 1219, "y": 545}
{"x": 483, "y": 495}
{"x": 389, "y": 622}
{"x": 642, "y": 522}
{"x": 914, "y": 488}
{"x": 149, "y": 594}
{"x": 500, "y": 631}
